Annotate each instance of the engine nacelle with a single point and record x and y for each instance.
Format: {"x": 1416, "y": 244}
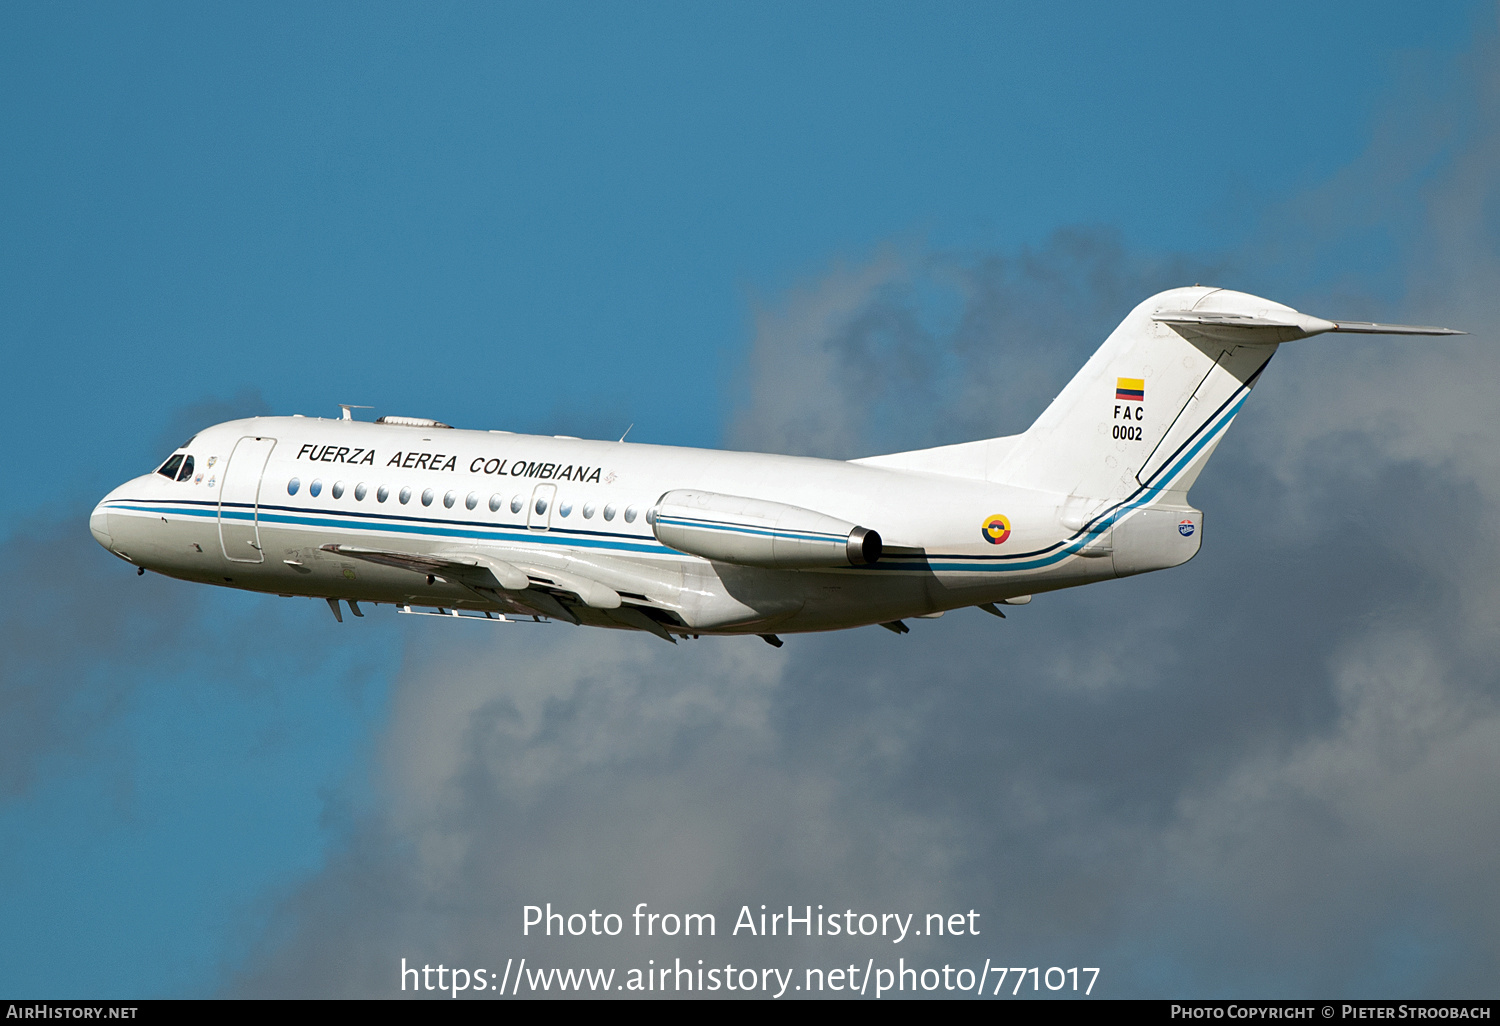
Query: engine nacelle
{"x": 754, "y": 532}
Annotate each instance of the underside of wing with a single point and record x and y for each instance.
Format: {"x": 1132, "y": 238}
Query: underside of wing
{"x": 532, "y": 583}
{"x": 419, "y": 562}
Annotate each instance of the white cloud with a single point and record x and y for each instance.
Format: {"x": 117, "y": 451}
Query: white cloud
{"x": 1270, "y": 771}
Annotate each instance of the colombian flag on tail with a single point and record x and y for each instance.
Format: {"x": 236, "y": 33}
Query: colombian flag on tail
{"x": 1130, "y": 388}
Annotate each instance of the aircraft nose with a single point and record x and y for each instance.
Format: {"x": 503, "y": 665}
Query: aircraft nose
{"x": 99, "y": 526}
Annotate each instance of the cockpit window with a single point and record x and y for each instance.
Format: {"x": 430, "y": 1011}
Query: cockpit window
{"x": 187, "y": 469}
{"x": 169, "y": 469}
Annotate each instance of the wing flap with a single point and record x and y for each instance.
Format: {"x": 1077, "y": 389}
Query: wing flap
{"x": 593, "y": 594}
{"x": 632, "y": 617}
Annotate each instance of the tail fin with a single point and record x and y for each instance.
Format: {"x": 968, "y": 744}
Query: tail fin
{"x": 1143, "y": 416}
{"x": 1149, "y": 407}
{"x": 1145, "y": 411}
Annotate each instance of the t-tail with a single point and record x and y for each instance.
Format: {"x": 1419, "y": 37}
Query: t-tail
{"x": 1143, "y": 416}
{"x": 1126, "y": 438}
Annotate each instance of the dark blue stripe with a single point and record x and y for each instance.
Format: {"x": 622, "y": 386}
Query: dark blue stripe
{"x": 556, "y": 536}
{"x": 1034, "y": 560}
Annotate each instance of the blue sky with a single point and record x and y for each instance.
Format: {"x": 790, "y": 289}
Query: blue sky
{"x": 572, "y": 218}
{"x": 577, "y": 205}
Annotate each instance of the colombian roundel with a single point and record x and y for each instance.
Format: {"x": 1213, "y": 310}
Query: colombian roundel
{"x": 996, "y": 529}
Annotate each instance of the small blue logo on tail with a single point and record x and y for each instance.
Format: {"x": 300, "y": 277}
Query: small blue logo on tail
{"x": 1185, "y": 528}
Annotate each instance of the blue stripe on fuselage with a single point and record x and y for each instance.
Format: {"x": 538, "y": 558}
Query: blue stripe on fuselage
{"x": 395, "y": 524}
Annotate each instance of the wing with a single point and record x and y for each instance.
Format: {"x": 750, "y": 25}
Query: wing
{"x": 546, "y": 583}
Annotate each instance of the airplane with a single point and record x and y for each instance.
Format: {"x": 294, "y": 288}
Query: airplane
{"x": 683, "y": 542}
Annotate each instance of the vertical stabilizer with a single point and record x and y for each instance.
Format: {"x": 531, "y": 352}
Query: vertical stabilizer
{"x": 1144, "y": 414}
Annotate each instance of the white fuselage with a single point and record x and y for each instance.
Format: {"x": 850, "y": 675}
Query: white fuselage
{"x": 582, "y": 507}
{"x": 693, "y": 541}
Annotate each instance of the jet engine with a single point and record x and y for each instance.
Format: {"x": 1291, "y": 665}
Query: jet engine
{"x": 755, "y": 532}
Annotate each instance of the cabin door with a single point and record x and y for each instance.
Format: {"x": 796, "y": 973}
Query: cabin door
{"x": 239, "y": 500}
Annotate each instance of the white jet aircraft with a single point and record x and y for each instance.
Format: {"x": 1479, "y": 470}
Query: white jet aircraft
{"x": 686, "y": 542}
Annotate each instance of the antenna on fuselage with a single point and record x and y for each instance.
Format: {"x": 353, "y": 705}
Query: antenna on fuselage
{"x": 627, "y": 431}
{"x": 346, "y": 407}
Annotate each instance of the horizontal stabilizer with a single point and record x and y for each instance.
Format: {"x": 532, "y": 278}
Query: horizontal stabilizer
{"x": 1371, "y": 328}
{"x": 1276, "y": 326}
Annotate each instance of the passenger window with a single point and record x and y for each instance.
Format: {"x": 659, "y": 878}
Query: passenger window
{"x": 450, "y": 499}
{"x": 541, "y": 506}
{"x": 495, "y": 503}
{"x": 187, "y": 469}
{"x": 293, "y": 485}
{"x": 427, "y": 495}
{"x": 564, "y": 508}
{"x": 314, "y": 488}
{"x": 472, "y": 500}
{"x": 588, "y": 510}
{"x": 405, "y": 496}
{"x": 609, "y": 511}
{"x": 630, "y": 514}
{"x": 169, "y": 469}
{"x": 382, "y": 493}
{"x": 359, "y": 492}
{"x": 338, "y": 489}
{"x": 516, "y": 504}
